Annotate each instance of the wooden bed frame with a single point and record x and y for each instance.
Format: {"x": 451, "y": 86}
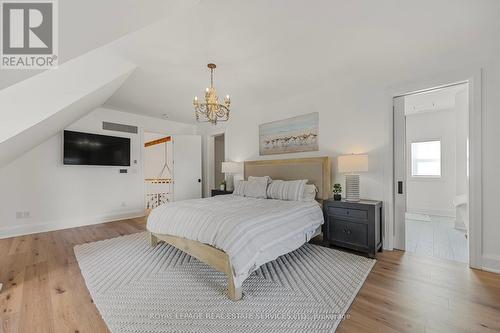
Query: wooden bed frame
{"x": 316, "y": 169}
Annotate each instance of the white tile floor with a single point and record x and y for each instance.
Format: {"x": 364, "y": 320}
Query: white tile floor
{"x": 436, "y": 237}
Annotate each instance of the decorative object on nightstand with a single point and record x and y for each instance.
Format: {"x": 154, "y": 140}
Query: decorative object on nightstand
{"x": 354, "y": 225}
{"x": 232, "y": 169}
{"x": 220, "y": 192}
{"x": 337, "y": 190}
{"x": 222, "y": 185}
{"x": 351, "y": 165}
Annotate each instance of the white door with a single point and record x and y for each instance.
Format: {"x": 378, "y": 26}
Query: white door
{"x": 187, "y": 166}
{"x": 399, "y": 173}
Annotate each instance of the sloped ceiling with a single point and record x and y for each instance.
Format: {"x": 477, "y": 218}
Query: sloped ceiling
{"x": 267, "y": 51}
{"x": 85, "y": 25}
{"x": 39, "y": 107}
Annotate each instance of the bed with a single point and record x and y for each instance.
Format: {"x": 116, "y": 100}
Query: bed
{"x": 236, "y": 235}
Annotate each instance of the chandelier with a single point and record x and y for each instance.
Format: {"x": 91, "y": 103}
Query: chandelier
{"x": 211, "y": 110}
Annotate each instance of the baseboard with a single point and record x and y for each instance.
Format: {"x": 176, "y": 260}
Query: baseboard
{"x": 27, "y": 229}
{"x": 491, "y": 263}
{"x": 435, "y": 212}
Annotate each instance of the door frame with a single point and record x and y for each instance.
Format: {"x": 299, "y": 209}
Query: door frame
{"x": 473, "y": 77}
{"x": 208, "y": 160}
{"x": 142, "y": 157}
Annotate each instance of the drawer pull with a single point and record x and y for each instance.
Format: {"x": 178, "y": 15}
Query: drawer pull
{"x": 347, "y": 231}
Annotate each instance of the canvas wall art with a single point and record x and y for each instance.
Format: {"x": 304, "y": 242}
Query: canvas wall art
{"x": 292, "y": 135}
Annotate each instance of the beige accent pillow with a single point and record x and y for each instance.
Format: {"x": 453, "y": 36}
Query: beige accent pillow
{"x": 264, "y": 178}
{"x": 252, "y": 189}
{"x": 291, "y": 190}
{"x": 309, "y": 193}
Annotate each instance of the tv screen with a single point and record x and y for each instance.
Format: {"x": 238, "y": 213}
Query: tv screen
{"x": 94, "y": 149}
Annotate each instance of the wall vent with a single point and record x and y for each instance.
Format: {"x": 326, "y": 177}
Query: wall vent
{"x": 119, "y": 127}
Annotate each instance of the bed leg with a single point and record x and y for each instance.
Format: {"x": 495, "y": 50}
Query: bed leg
{"x": 234, "y": 292}
{"x": 153, "y": 240}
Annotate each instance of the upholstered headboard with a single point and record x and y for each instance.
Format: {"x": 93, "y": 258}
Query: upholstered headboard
{"x": 316, "y": 169}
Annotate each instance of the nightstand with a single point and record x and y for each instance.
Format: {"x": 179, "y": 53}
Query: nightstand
{"x": 220, "y": 192}
{"x": 354, "y": 225}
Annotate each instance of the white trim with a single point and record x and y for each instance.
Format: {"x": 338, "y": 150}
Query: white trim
{"x": 473, "y": 77}
{"x": 475, "y": 171}
{"x": 491, "y": 263}
{"x": 433, "y": 212}
{"x": 208, "y": 160}
{"x": 27, "y": 229}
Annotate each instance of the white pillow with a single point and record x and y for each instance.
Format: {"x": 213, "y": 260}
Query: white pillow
{"x": 264, "y": 178}
{"x": 291, "y": 190}
{"x": 239, "y": 188}
{"x": 256, "y": 189}
{"x": 252, "y": 189}
{"x": 309, "y": 193}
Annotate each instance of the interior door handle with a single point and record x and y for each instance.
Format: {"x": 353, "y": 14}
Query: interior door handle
{"x": 199, "y": 180}
{"x": 400, "y": 187}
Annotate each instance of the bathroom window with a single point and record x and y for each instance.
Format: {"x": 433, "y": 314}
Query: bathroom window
{"x": 426, "y": 159}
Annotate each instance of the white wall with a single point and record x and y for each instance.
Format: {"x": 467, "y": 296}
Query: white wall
{"x": 355, "y": 117}
{"x": 348, "y": 123}
{"x": 35, "y": 109}
{"x": 58, "y": 196}
{"x": 462, "y": 137}
{"x": 156, "y": 156}
{"x": 432, "y": 195}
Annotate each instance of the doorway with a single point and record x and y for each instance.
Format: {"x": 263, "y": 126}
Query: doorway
{"x": 158, "y": 173}
{"x": 431, "y": 168}
{"x": 219, "y": 157}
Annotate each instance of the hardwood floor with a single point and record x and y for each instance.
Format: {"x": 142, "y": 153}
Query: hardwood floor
{"x": 45, "y": 292}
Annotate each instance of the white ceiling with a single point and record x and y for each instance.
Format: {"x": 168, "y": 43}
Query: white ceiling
{"x": 267, "y": 51}
{"x": 87, "y": 24}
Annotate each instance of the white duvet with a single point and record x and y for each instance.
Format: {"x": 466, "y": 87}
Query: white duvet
{"x": 251, "y": 231}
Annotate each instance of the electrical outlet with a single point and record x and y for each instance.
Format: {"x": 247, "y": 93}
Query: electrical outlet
{"x": 23, "y": 215}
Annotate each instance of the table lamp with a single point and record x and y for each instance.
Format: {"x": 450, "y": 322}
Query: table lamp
{"x": 351, "y": 165}
{"x": 232, "y": 168}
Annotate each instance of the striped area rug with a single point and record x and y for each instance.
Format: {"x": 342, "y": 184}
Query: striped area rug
{"x": 137, "y": 288}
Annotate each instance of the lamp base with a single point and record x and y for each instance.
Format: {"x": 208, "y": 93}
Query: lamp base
{"x": 352, "y": 187}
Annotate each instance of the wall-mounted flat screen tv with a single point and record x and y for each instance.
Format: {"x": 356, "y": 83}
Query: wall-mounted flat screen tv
{"x": 94, "y": 149}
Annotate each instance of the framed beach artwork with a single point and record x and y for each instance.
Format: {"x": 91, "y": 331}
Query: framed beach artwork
{"x": 292, "y": 135}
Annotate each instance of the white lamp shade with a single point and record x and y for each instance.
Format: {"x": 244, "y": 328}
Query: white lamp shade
{"x": 352, "y": 163}
{"x": 232, "y": 167}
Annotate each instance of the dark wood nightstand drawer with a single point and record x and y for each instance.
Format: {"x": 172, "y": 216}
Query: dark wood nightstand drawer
{"x": 349, "y": 233}
{"x": 354, "y": 225}
{"x": 348, "y": 212}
